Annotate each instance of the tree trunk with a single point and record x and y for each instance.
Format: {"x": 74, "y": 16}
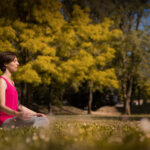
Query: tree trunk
{"x": 127, "y": 106}
{"x": 90, "y": 98}
{"x": 23, "y": 93}
{"x": 50, "y": 100}
{"x": 126, "y": 103}
{"x": 134, "y": 86}
{"x": 139, "y": 95}
{"x": 29, "y": 95}
{"x": 127, "y": 91}
{"x": 50, "y": 107}
{"x": 139, "y": 16}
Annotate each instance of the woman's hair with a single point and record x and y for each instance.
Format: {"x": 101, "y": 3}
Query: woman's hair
{"x": 6, "y": 58}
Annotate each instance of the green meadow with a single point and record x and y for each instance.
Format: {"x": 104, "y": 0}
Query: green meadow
{"x": 79, "y": 132}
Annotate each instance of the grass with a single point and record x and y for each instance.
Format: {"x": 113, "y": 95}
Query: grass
{"x": 79, "y": 132}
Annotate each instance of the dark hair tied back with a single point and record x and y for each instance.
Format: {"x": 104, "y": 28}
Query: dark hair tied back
{"x": 6, "y": 58}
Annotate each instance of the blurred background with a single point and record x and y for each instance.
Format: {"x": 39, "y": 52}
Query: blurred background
{"x": 84, "y": 55}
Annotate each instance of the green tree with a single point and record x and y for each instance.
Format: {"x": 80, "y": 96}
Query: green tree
{"x": 131, "y": 61}
{"x": 127, "y": 15}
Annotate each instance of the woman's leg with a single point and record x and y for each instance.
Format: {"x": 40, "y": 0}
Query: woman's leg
{"x": 8, "y": 122}
{"x": 41, "y": 122}
{"x": 18, "y": 122}
{"x": 33, "y": 121}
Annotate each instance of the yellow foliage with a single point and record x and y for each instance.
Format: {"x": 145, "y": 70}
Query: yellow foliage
{"x": 50, "y": 15}
{"x": 66, "y": 42}
{"x": 80, "y": 17}
{"x": 76, "y": 69}
{"x": 18, "y": 25}
{"x": 100, "y": 60}
{"x": 82, "y": 48}
{"x": 105, "y": 78}
{"x": 32, "y": 45}
{"x": 47, "y": 50}
{"x": 27, "y": 74}
{"x": 7, "y": 33}
{"x": 44, "y": 64}
{"x": 87, "y": 45}
{"x": 38, "y": 44}
{"x": 116, "y": 33}
{"x": 27, "y": 34}
{"x": 6, "y": 46}
{"x": 46, "y": 78}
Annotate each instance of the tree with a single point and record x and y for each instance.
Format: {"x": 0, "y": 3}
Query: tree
{"x": 30, "y": 31}
{"x": 130, "y": 63}
{"x": 127, "y": 15}
{"x": 88, "y": 54}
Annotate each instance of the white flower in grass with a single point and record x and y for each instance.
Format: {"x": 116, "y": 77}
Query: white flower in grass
{"x": 28, "y": 140}
{"x": 145, "y": 125}
{"x": 35, "y": 137}
{"x": 6, "y": 138}
{"x": 44, "y": 136}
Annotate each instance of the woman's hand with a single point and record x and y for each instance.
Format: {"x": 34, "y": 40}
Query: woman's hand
{"x": 23, "y": 115}
{"x": 40, "y": 115}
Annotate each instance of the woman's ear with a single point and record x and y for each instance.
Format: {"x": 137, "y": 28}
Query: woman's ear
{"x": 5, "y": 65}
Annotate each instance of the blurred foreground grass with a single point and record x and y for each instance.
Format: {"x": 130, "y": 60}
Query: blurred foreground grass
{"x": 79, "y": 133}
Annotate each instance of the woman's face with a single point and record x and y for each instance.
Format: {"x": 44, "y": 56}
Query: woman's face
{"x": 13, "y": 66}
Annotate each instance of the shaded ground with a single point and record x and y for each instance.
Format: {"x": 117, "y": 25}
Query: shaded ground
{"x": 117, "y": 110}
{"x": 107, "y": 111}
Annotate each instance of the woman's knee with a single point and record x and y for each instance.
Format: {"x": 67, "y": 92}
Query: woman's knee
{"x": 41, "y": 121}
{"x": 9, "y": 122}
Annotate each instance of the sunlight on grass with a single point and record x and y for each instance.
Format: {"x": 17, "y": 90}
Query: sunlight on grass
{"x": 79, "y": 133}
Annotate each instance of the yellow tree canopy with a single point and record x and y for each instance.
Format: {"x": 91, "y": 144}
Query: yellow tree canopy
{"x": 49, "y": 46}
{"x": 86, "y": 50}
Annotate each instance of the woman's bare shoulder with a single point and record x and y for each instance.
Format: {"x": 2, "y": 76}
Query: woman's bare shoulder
{"x": 2, "y": 83}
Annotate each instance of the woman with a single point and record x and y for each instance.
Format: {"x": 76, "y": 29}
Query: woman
{"x": 12, "y": 114}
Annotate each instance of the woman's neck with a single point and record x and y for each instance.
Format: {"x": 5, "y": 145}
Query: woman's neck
{"x": 7, "y": 74}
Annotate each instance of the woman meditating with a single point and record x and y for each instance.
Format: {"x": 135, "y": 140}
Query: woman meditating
{"x": 12, "y": 114}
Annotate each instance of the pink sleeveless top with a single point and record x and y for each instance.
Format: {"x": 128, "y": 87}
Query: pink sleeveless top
{"x": 11, "y": 100}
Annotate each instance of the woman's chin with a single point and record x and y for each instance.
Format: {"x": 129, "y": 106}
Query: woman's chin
{"x": 14, "y": 70}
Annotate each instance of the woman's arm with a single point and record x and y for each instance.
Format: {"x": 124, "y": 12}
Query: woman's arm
{"x": 25, "y": 109}
{"x": 6, "y": 109}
